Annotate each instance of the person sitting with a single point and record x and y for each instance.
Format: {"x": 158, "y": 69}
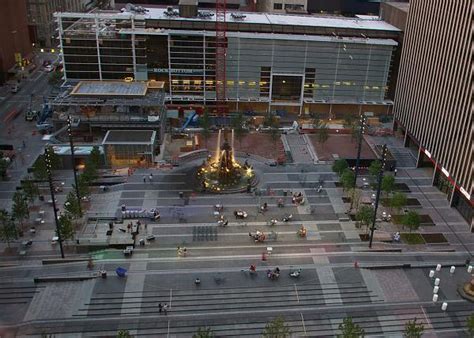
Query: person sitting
{"x": 253, "y": 268}
{"x": 302, "y": 231}
{"x": 276, "y": 271}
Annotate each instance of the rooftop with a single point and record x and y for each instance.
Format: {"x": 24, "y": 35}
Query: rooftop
{"x": 129, "y": 137}
{"x": 109, "y": 88}
{"x": 250, "y": 18}
{"x": 403, "y": 6}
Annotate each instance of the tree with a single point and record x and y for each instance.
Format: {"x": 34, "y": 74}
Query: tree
{"x": 40, "y": 172}
{"x": 315, "y": 121}
{"x": 30, "y": 189}
{"x": 388, "y": 184}
{"x": 276, "y": 329}
{"x": 82, "y": 185}
{"x": 398, "y": 201}
{"x": 355, "y": 198}
{"x": 66, "y": 228}
{"x": 123, "y": 334}
{"x": 347, "y": 179}
{"x": 95, "y": 157}
{"x": 203, "y": 332}
{"x": 72, "y": 205}
{"x": 20, "y": 207}
{"x": 339, "y": 166}
{"x": 413, "y": 329}
{"x": 238, "y": 126}
{"x": 3, "y": 168}
{"x": 470, "y": 325}
{"x": 8, "y": 231}
{"x": 205, "y": 124}
{"x": 374, "y": 170}
{"x": 365, "y": 216}
{"x": 323, "y": 133}
{"x": 411, "y": 220}
{"x": 349, "y": 329}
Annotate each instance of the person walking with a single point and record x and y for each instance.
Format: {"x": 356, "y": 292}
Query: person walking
{"x": 165, "y": 309}
{"x": 160, "y": 308}
{"x": 151, "y": 178}
{"x": 144, "y": 179}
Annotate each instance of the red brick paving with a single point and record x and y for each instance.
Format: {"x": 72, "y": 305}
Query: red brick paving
{"x": 253, "y": 143}
{"x": 343, "y": 145}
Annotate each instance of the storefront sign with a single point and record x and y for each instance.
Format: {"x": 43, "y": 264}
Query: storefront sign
{"x": 464, "y": 192}
{"x": 427, "y": 153}
{"x": 177, "y": 71}
{"x": 445, "y": 172}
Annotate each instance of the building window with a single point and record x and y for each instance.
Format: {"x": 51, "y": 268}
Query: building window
{"x": 277, "y": 6}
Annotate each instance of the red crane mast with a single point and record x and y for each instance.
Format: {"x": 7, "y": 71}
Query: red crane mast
{"x": 221, "y": 47}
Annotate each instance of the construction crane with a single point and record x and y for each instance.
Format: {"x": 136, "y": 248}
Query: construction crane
{"x": 221, "y": 47}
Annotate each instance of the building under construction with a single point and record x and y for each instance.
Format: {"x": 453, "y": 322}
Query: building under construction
{"x": 293, "y": 63}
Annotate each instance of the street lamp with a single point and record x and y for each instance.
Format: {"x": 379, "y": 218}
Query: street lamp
{"x": 377, "y": 196}
{"x": 69, "y": 132}
{"x": 362, "y": 125}
{"x": 47, "y": 159}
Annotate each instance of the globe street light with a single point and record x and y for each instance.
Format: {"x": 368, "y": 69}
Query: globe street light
{"x": 69, "y": 131}
{"x": 377, "y": 196}
{"x": 362, "y": 126}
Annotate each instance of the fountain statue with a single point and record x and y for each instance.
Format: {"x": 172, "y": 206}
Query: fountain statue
{"x": 222, "y": 172}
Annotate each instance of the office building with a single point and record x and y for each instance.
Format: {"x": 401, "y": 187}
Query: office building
{"x": 42, "y": 24}
{"x": 433, "y": 101}
{"x": 14, "y": 42}
{"x": 295, "y": 63}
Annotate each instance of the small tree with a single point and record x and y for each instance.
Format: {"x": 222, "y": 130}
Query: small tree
{"x": 8, "y": 231}
{"x": 95, "y": 157}
{"x": 347, "y": 179}
{"x": 123, "y": 334}
{"x": 238, "y": 126}
{"x": 20, "y": 207}
{"x": 205, "y": 124}
{"x": 83, "y": 186}
{"x": 349, "y": 329}
{"x": 339, "y": 166}
{"x": 411, "y": 220}
{"x": 39, "y": 169}
{"x": 66, "y": 228}
{"x": 413, "y": 329}
{"x": 3, "y": 168}
{"x": 470, "y": 325}
{"x": 203, "y": 332}
{"x": 365, "y": 216}
{"x": 323, "y": 133}
{"x": 276, "y": 329}
{"x": 398, "y": 201}
{"x": 374, "y": 170}
{"x": 30, "y": 189}
{"x": 72, "y": 206}
{"x": 355, "y": 198}
{"x": 388, "y": 184}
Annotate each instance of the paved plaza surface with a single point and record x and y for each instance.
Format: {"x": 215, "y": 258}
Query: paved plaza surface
{"x": 380, "y": 289}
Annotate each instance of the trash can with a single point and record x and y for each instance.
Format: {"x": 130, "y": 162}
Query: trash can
{"x": 142, "y": 241}
{"x": 103, "y": 274}
{"x": 181, "y": 194}
{"x": 285, "y": 192}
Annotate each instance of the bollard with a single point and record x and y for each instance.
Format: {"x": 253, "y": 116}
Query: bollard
{"x": 432, "y": 273}
{"x": 453, "y": 268}
{"x": 435, "y": 298}
{"x": 437, "y": 281}
{"x": 435, "y": 289}
{"x": 469, "y": 268}
{"x": 438, "y": 267}
{"x": 444, "y": 306}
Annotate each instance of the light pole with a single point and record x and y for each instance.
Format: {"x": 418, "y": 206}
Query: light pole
{"x": 47, "y": 159}
{"x": 362, "y": 125}
{"x": 69, "y": 131}
{"x": 379, "y": 184}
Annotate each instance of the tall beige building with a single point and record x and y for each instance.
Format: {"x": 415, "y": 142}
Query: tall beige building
{"x": 433, "y": 100}
{"x": 40, "y": 17}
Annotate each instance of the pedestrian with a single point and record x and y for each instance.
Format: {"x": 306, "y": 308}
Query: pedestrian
{"x": 144, "y": 179}
{"x": 160, "y": 308}
{"x": 24, "y": 144}
{"x": 165, "y": 309}
{"x": 395, "y": 172}
{"x": 151, "y": 177}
